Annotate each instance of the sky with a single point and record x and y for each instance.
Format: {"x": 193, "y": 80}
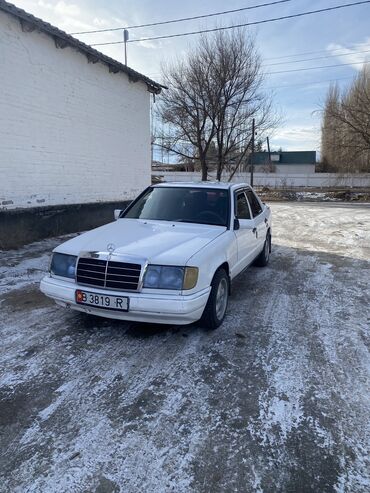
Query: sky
{"x": 328, "y": 38}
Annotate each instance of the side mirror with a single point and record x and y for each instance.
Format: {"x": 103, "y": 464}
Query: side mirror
{"x": 246, "y": 224}
{"x": 117, "y": 213}
{"x": 236, "y": 224}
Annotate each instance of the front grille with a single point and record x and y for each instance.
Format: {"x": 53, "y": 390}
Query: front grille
{"x": 108, "y": 274}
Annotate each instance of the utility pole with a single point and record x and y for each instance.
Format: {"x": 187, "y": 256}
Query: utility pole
{"x": 268, "y": 148}
{"x": 252, "y": 153}
{"x": 152, "y": 132}
{"x": 125, "y": 39}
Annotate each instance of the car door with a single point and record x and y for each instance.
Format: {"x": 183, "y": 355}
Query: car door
{"x": 246, "y": 234}
{"x": 259, "y": 218}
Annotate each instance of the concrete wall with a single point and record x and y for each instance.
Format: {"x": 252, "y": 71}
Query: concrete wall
{"x": 21, "y": 226}
{"x": 70, "y": 131}
{"x": 286, "y": 168}
{"x": 276, "y": 180}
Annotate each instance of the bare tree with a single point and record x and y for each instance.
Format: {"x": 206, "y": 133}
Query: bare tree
{"x": 330, "y": 129}
{"x": 346, "y": 126}
{"x": 213, "y": 95}
{"x": 184, "y": 106}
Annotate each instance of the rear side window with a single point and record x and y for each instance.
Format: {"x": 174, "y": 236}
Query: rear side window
{"x": 242, "y": 209}
{"x": 254, "y": 203}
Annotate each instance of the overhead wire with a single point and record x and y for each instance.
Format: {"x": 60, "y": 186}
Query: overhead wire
{"x": 303, "y": 69}
{"x": 315, "y": 68}
{"x": 312, "y": 52}
{"x": 309, "y": 83}
{"x": 184, "y": 19}
{"x": 249, "y": 24}
{"x": 316, "y": 58}
{"x": 235, "y": 26}
{"x": 302, "y": 60}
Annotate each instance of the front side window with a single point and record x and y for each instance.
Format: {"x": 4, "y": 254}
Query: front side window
{"x": 242, "y": 209}
{"x": 182, "y": 204}
{"x": 254, "y": 203}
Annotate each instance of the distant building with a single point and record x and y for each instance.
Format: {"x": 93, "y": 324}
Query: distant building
{"x": 284, "y": 162}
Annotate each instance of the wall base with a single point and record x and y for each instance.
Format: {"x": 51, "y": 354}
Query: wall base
{"x": 21, "y": 226}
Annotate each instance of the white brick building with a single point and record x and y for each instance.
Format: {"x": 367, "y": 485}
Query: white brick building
{"x": 74, "y": 124}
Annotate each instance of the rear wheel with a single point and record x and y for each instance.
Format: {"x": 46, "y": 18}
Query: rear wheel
{"x": 216, "y": 306}
{"x": 264, "y": 257}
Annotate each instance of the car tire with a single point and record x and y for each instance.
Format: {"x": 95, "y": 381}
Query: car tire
{"x": 215, "y": 310}
{"x": 263, "y": 258}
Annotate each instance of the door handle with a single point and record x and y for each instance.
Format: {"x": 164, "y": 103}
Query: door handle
{"x": 254, "y": 230}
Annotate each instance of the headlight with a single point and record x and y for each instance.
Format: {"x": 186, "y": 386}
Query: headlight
{"x": 63, "y": 265}
{"x": 170, "y": 277}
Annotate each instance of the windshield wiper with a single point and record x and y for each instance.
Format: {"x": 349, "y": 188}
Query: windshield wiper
{"x": 185, "y": 221}
{"x": 197, "y": 222}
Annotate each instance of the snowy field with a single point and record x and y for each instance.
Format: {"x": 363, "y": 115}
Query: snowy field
{"x": 275, "y": 400}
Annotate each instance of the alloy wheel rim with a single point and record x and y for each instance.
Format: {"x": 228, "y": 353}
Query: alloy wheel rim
{"x": 221, "y": 299}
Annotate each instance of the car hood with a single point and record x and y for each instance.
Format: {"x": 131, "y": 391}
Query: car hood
{"x": 161, "y": 242}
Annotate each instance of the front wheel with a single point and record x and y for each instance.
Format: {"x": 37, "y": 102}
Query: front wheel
{"x": 216, "y": 306}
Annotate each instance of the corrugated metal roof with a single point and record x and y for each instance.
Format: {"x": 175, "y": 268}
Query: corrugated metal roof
{"x": 62, "y": 40}
{"x": 286, "y": 157}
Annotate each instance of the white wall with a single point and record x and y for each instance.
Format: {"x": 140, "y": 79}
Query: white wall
{"x": 276, "y": 180}
{"x": 294, "y": 168}
{"x": 70, "y": 131}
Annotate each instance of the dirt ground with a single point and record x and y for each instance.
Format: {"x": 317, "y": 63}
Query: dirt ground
{"x": 275, "y": 400}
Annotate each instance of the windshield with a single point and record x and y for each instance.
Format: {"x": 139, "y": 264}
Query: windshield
{"x": 177, "y": 204}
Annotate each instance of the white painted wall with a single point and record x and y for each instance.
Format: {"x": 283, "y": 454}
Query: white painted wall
{"x": 293, "y": 168}
{"x": 70, "y": 131}
{"x": 276, "y": 180}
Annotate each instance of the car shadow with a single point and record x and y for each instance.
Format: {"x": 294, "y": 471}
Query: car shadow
{"x": 137, "y": 330}
{"x": 254, "y": 286}
{"x": 145, "y": 330}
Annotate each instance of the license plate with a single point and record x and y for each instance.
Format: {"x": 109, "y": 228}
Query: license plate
{"x": 104, "y": 301}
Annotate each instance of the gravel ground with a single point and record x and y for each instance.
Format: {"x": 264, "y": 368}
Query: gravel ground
{"x": 275, "y": 400}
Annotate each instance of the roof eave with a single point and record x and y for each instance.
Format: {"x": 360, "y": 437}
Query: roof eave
{"x": 30, "y": 23}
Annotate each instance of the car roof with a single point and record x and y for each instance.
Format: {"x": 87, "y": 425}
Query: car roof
{"x": 201, "y": 184}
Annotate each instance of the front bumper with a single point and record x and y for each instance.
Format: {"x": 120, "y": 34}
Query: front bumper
{"x": 144, "y": 307}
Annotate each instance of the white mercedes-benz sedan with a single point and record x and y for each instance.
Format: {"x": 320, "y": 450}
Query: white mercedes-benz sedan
{"x": 169, "y": 257}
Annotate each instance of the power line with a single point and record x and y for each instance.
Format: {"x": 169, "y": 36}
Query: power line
{"x": 312, "y": 52}
{"x": 317, "y": 58}
{"x": 299, "y": 61}
{"x": 312, "y": 82}
{"x": 314, "y": 68}
{"x": 307, "y": 83}
{"x": 183, "y": 19}
{"x": 264, "y": 21}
